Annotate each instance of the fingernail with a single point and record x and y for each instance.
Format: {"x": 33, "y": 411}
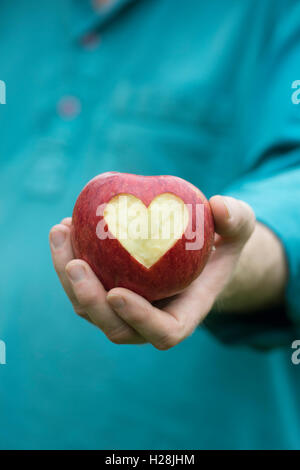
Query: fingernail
{"x": 58, "y": 238}
{"x": 116, "y": 301}
{"x": 227, "y": 204}
{"x": 76, "y": 272}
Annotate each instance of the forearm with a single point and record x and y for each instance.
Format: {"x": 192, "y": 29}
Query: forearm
{"x": 260, "y": 276}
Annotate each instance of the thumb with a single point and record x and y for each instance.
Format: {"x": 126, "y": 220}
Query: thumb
{"x": 234, "y": 219}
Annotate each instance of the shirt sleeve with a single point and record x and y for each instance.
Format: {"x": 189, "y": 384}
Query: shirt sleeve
{"x": 271, "y": 184}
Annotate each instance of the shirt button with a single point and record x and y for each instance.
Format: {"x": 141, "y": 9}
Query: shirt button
{"x": 101, "y": 4}
{"x": 69, "y": 107}
{"x": 90, "y": 41}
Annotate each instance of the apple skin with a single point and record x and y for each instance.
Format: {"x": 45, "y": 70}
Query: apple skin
{"x": 112, "y": 264}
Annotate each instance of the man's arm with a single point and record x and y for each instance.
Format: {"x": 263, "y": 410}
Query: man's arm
{"x": 260, "y": 276}
{"x": 127, "y": 318}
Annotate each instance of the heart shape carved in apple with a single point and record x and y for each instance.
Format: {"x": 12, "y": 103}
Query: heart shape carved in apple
{"x": 148, "y": 250}
{"x": 147, "y": 233}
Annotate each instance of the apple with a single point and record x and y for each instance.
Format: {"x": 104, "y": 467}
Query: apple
{"x": 150, "y": 234}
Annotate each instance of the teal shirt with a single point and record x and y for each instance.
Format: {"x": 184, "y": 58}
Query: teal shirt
{"x": 201, "y": 90}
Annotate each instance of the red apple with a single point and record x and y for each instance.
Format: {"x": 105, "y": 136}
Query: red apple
{"x": 150, "y": 234}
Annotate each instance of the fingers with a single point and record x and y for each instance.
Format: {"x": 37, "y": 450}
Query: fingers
{"x": 84, "y": 289}
{"x": 234, "y": 219}
{"x": 62, "y": 253}
{"x": 158, "y": 327}
{"x": 67, "y": 221}
{"x": 91, "y": 297}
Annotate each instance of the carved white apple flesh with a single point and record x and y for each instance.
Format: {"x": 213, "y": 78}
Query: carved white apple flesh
{"x": 134, "y": 231}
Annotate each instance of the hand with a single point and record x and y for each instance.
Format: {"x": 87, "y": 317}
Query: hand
{"x": 127, "y": 318}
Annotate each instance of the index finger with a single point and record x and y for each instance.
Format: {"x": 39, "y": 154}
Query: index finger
{"x": 158, "y": 327}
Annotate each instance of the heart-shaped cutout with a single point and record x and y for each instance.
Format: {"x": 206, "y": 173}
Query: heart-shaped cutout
{"x": 147, "y": 233}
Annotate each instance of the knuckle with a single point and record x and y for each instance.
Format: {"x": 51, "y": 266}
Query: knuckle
{"x": 58, "y": 227}
{"x": 120, "y": 335}
{"x": 79, "y": 311}
{"x": 118, "y": 339}
{"x": 85, "y": 297}
{"x": 52, "y": 229}
{"x": 245, "y": 226}
{"x": 66, "y": 221}
{"x": 167, "y": 342}
{"x": 188, "y": 330}
{"x": 248, "y": 220}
